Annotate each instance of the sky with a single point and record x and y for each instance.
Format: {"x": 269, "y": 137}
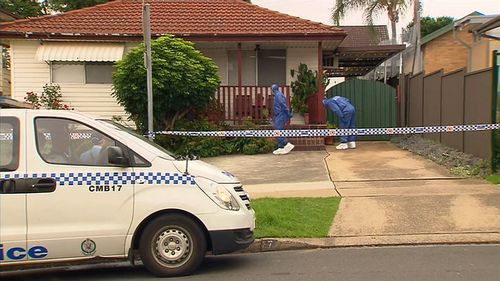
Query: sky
{"x": 320, "y": 10}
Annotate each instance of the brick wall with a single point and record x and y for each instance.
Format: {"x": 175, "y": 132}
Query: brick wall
{"x": 446, "y": 53}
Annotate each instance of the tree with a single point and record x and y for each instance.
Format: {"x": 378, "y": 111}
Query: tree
{"x": 34, "y": 8}
{"x": 183, "y": 80}
{"x": 68, "y": 5}
{"x": 372, "y": 8}
{"x": 429, "y": 24}
{"x": 22, "y": 8}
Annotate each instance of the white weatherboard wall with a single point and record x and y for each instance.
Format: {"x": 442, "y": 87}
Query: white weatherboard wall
{"x": 30, "y": 75}
{"x": 295, "y": 56}
{"x": 220, "y": 58}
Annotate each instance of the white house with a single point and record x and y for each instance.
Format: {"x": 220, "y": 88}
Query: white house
{"x": 253, "y": 47}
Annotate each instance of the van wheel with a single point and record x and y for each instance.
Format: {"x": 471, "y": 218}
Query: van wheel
{"x": 172, "y": 245}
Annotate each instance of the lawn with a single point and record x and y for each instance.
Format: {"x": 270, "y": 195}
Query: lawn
{"x": 294, "y": 217}
{"x": 495, "y": 178}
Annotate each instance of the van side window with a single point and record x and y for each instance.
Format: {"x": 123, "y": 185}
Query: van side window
{"x": 9, "y": 144}
{"x": 64, "y": 141}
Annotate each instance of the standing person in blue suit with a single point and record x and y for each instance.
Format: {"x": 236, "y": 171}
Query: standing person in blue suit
{"x": 346, "y": 112}
{"x": 281, "y": 116}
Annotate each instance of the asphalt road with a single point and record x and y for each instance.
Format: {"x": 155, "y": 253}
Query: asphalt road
{"x": 440, "y": 263}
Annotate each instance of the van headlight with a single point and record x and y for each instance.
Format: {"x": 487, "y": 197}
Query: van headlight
{"x": 219, "y": 194}
{"x": 225, "y": 199}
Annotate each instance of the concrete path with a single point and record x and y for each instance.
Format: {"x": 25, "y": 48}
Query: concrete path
{"x": 298, "y": 174}
{"x": 391, "y": 196}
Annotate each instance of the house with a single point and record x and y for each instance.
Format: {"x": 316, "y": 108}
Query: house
{"x": 253, "y": 47}
{"x": 454, "y": 46}
{"x": 4, "y": 62}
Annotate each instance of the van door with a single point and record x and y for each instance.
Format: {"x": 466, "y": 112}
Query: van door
{"x": 12, "y": 196}
{"x": 90, "y": 211}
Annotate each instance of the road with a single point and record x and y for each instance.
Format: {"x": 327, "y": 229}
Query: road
{"x": 443, "y": 263}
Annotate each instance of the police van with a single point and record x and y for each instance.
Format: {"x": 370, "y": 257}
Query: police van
{"x": 76, "y": 188}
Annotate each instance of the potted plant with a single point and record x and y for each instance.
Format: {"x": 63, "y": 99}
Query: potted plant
{"x": 303, "y": 87}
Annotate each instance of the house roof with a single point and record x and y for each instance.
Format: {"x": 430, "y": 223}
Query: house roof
{"x": 491, "y": 25}
{"x": 212, "y": 20}
{"x": 445, "y": 29}
{"x": 362, "y": 50}
{"x": 363, "y": 35}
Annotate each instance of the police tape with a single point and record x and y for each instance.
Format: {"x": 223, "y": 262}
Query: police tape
{"x": 331, "y": 132}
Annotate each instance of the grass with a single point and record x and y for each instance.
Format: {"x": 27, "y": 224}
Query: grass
{"x": 494, "y": 178}
{"x": 294, "y": 217}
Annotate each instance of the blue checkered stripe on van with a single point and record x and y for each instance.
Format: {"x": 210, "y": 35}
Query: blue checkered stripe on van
{"x": 107, "y": 178}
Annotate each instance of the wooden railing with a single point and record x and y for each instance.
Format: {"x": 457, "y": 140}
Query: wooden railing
{"x": 248, "y": 102}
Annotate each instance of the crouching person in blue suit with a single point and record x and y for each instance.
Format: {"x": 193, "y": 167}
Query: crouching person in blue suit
{"x": 346, "y": 112}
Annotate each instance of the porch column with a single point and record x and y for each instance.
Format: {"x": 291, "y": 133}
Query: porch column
{"x": 321, "y": 114}
{"x": 240, "y": 67}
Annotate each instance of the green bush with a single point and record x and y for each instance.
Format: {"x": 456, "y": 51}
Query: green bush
{"x": 213, "y": 146}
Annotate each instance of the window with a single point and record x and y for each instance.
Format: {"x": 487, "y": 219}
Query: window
{"x": 248, "y": 73}
{"x": 260, "y": 68}
{"x": 99, "y": 73}
{"x": 63, "y": 141}
{"x": 272, "y": 67}
{"x": 82, "y": 72}
{"x": 64, "y": 72}
{"x": 9, "y": 143}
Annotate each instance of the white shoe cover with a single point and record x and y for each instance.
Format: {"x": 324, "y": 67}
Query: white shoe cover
{"x": 342, "y": 146}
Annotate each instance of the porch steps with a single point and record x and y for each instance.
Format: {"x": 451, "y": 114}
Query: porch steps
{"x": 305, "y": 144}
{"x": 308, "y": 144}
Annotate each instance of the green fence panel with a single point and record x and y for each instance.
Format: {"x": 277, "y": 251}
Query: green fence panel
{"x": 375, "y": 102}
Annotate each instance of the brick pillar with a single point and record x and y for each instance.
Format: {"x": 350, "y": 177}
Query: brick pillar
{"x": 320, "y": 114}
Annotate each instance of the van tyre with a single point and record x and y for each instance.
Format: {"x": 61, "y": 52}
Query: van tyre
{"x": 172, "y": 245}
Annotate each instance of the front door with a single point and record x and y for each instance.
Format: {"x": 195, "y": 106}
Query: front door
{"x": 90, "y": 211}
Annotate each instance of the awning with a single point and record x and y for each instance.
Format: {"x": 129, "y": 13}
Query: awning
{"x": 80, "y": 52}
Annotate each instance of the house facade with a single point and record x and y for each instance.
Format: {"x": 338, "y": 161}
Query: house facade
{"x": 253, "y": 47}
{"x": 455, "y": 46}
{"x": 4, "y": 59}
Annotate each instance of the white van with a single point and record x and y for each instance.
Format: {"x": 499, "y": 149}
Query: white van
{"x": 75, "y": 188}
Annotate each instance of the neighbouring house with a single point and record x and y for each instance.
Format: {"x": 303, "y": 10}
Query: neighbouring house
{"x": 4, "y": 59}
{"x": 253, "y": 47}
{"x": 455, "y": 46}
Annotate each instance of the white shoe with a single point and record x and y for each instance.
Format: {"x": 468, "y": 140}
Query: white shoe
{"x": 279, "y": 151}
{"x": 342, "y": 146}
{"x": 351, "y": 144}
{"x": 288, "y": 147}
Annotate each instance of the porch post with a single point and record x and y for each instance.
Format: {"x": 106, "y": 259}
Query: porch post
{"x": 321, "y": 115}
{"x": 240, "y": 67}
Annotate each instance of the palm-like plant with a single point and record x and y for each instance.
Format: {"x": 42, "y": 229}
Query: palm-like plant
{"x": 372, "y": 8}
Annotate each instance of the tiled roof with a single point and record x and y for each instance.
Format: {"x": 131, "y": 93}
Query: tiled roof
{"x": 179, "y": 17}
{"x": 363, "y": 35}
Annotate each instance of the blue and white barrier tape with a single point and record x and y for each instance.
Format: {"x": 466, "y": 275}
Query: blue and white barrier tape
{"x": 333, "y": 132}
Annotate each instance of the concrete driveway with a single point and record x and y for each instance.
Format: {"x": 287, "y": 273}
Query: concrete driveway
{"x": 391, "y": 196}
{"x": 298, "y": 174}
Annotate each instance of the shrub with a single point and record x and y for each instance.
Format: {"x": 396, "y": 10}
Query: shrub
{"x": 51, "y": 98}
{"x": 183, "y": 80}
{"x": 212, "y": 146}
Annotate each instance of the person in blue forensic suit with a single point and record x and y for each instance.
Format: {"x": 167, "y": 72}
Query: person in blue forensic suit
{"x": 281, "y": 116}
{"x": 346, "y": 112}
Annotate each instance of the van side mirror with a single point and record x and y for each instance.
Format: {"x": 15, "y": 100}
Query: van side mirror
{"x": 116, "y": 156}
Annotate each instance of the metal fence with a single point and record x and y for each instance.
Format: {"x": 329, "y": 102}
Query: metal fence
{"x": 451, "y": 99}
